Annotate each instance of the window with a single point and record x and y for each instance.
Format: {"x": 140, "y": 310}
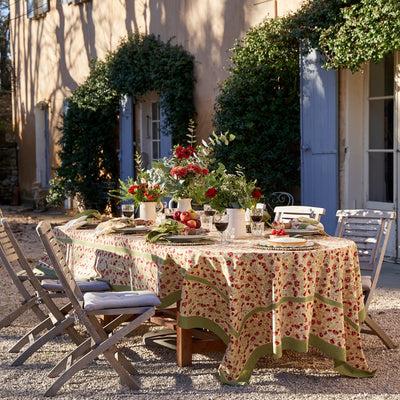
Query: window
{"x": 381, "y": 131}
{"x": 155, "y": 130}
{"x": 37, "y": 8}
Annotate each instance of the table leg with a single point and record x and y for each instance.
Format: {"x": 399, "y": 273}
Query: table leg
{"x": 183, "y": 347}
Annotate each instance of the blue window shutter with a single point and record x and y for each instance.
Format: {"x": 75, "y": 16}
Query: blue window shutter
{"x": 45, "y": 6}
{"x": 30, "y": 6}
{"x": 319, "y": 138}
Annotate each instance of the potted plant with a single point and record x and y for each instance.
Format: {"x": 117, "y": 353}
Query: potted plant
{"x": 183, "y": 174}
{"x": 233, "y": 193}
{"x": 143, "y": 192}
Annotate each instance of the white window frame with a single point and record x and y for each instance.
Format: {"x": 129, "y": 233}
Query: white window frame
{"x": 376, "y": 205}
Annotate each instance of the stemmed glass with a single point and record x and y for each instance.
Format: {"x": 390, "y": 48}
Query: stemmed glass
{"x": 221, "y": 221}
{"x": 127, "y": 210}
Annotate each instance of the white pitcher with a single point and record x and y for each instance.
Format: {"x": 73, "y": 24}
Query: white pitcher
{"x": 237, "y": 222}
{"x": 183, "y": 204}
{"x": 148, "y": 210}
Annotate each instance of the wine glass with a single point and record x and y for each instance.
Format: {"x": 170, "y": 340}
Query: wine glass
{"x": 256, "y": 214}
{"x": 127, "y": 210}
{"x": 221, "y": 221}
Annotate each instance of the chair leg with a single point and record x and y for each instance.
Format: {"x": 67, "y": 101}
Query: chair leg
{"x": 29, "y": 337}
{"x": 378, "y": 331}
{"x": 106, "y": 347}
{"x": 29, "y": 305}
{"x": 52, "y": 333}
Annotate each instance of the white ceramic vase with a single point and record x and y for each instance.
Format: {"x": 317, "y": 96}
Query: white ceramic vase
{"x": 237, "y": 221}
{"x": 148, "y": 210}
{"x": 183, "y": 204}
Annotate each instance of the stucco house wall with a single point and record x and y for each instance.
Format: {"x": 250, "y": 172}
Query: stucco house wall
{"x": 51, "y": 54}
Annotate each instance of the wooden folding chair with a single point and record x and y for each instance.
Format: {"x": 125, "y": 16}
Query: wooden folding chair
{"x": 36, "y": 293}
{"x": 369, "y": 229}
{"x": 286, "y": 213}
{"x": 102, "y": 340}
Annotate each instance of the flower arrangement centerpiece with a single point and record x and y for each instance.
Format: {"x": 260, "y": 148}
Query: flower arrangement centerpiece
{"x": 183, "y": 174}
{"x": 227, "y": 190}
{"x": 233, "y": 193}
{"x": 141, "y": 190}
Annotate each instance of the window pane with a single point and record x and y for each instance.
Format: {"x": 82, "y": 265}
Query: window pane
{"x": 381, "y": 177}
{"x": 155, "y": 130}
{"x": 382, "y": 77}
{"x": 381, "y": 124}
{"x": 155, "y": 109}
{"x": 156, "y": 150}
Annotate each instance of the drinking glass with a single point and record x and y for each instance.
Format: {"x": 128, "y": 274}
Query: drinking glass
{"x": 221, "y": 221}
{"x": 256, "y": 214}
{"x": 127, "y": 210}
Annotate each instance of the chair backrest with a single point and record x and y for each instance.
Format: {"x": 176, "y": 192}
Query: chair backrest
{"x": 13, "y": 258}
{"x": 276, "y": 199}
{"x": 286, "y": 213}
{"x": 369, "y": 229}
{"x": 59, "y": 264}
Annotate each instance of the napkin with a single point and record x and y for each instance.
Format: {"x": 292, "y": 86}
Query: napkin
{"x": 169, "y": 227}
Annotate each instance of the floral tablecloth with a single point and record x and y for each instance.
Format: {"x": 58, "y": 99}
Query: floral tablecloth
{"x": 257, "y": 300}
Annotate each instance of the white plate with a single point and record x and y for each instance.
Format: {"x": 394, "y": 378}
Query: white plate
{"x": 133, "y": 229}
{"x": 282, "y": 247}
{"x": 186, "y": 238}
{"x": 287, "y": 241}
{"x": 303, "y": 232}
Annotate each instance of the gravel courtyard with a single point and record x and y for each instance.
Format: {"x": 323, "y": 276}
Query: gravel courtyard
{"x": 295, "y": 376}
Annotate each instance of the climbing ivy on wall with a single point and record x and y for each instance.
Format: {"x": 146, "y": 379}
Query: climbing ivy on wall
{"x": 259, "y": 101}
{"x": 142, "y": 63}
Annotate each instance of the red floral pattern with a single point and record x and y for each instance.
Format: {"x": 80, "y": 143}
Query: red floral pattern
{"x": 256, "y": 297}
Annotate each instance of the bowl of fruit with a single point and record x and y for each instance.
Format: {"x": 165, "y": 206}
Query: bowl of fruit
{"x": 278, "y": 233}
{"x": 189, "y": 218}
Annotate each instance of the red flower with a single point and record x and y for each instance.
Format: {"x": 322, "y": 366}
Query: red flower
{"x": 194, "y": 168}
{"x": 178, "y": 172}
{"x": 256, "y": 194}
{"x": 133, "y": 189}
{"x": 178, "y": 152}
{"x": 186, "y": 153}
{"x": 211, "y": 193}
{"x": 205, "y": 171}
{"x": 191, "y": 149}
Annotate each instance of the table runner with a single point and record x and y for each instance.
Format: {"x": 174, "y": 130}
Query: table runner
{"x": 258, "y": 301}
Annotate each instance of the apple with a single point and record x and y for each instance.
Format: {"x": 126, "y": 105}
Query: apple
{"x": 198, "y": 223}
{"x": 192, "y": 213}
{"x": 185, "y": 216}
{"x": 177, "y": 215}
{"x": 191, "y": 223}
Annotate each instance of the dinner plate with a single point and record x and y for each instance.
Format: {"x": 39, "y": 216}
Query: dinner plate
{"x": 273, "y": 242}
{"x": 186, "y": 238}
{"x": 133, "y": 229}
{"x": 303, "y": 232}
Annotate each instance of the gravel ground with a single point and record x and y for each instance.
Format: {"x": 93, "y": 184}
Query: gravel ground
{"x": 295, "y": 376}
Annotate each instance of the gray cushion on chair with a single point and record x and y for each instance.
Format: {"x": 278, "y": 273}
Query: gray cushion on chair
{"x": 366, "y": 282}
{"x": 139, "y": 298}
{"x": 86, "y": 285}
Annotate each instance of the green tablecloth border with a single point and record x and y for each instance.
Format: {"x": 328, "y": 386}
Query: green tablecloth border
{"x": 301, "y": 346}
{"x": 204, "y": 323}
{"x": 274, "y": 306}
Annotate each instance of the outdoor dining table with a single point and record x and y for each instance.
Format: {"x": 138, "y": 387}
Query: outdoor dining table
{"x": 258, "y": 300}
